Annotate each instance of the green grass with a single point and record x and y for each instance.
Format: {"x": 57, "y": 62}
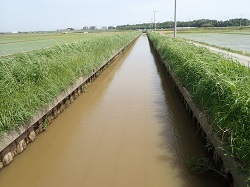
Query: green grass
{"x": 29, "y": 81}
{"x": 219, "y": 86}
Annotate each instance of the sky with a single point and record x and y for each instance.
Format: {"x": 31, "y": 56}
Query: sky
{"x": 46, "y": 15}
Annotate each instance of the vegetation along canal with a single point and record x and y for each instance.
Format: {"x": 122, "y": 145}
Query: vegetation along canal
{"x": 129, "y": 129}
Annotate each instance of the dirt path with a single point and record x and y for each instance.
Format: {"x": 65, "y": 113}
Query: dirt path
{"x": 245, "y": 60}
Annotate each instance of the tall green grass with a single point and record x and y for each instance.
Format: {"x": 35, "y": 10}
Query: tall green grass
{"x": 29, "y": 81}
{"x": 219, "y": 86}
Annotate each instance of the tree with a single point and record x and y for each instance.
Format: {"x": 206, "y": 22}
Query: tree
{"x": 194, "y": 23}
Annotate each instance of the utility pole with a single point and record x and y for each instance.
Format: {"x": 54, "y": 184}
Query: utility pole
{"x": 240, "y": 19}
{"x": 175, "y": 25}
{"x": 171, "y": 23}
{"x": 151, "y": 24}
{"x": 154, "y": 18}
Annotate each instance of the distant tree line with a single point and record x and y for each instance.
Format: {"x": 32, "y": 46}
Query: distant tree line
{"x": 194, "y": 23}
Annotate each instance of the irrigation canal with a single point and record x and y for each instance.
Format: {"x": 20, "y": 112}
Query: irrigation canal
{"x": 129, "y": 129}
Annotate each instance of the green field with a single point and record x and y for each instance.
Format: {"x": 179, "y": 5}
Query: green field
{"x": 16, "y": 43}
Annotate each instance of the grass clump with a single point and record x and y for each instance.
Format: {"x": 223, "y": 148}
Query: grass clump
{"x": 204, "y": 165}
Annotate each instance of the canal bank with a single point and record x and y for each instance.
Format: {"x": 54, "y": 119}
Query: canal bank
{"x": 231, "y": 169}
{"x": 128, "y": 129}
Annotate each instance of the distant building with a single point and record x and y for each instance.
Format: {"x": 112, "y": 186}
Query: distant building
{"x": 85, "y": 28}
{"x": 92, "y": 28}
{"x": 104, "y": 28}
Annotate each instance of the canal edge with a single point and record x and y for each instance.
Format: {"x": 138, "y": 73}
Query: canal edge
{"x": 16, "y": 141}
{"x": 230, "y": 165}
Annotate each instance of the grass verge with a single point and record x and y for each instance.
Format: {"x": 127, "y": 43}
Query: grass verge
{"x": 29, "y": 81}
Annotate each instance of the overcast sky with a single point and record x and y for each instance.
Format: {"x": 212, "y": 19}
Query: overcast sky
{"x": 34, "y": 15}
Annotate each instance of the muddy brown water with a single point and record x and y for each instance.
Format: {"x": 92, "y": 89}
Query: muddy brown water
{"x": 128, "y": 130}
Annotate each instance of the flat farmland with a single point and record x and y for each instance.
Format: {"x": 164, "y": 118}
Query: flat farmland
{"x": 16, "y": 43}
{"x": 239, "y": 41}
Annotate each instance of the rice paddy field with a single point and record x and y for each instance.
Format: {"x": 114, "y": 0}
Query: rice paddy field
{"x": 17, "y": 43}
{"x": 238, "y": 41}
{"x": 231, "y": 39}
